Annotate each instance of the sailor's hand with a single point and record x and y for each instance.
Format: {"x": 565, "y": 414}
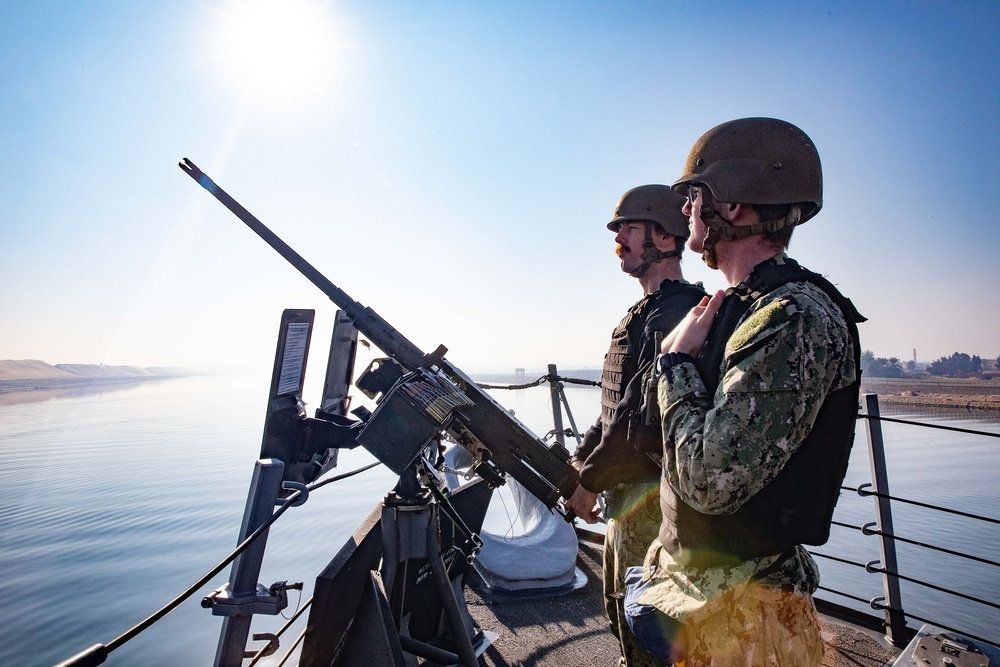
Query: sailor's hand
{"x": 689, "y": 336}
{"x": 584, "y": 503}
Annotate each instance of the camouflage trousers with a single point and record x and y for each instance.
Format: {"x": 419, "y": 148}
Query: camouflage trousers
{"x": 729, "y": 618}
{"x": 758, "y": 626}
{"x": 633, "y": 524}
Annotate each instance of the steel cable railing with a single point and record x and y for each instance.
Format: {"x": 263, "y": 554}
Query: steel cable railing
{"x": 863, "y": 491}
{"x": 956, "y": 429}
{"x": 264, "y": 652}
{"x": 884, "y": 531}
{"x": 543, "y": 379}
{"x": 97, "y": 654}
{"x": 878, "y": 606}
{"x": 868, "y": 531}
{"x": 870, "y": 567}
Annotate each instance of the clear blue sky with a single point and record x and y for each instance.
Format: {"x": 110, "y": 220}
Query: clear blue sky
{"x": 453, "y": 164}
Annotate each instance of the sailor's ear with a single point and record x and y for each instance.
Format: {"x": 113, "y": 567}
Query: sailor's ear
{"x": 664, "y": 242}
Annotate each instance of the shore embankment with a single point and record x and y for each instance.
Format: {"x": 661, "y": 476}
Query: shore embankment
{"x": 32, "y": 375}
{"x": 966, "y": 393}
{"x": 922, "y": 391}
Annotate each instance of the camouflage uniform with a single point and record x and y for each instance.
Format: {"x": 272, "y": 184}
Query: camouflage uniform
{"x": 633, "y": 525}
{"x": 790, "y": 351}
{"x": 612, "y": 462}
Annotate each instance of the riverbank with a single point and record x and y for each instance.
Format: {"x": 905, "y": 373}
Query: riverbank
{"x": 35, "y": 375}
{"x": 960, "y": 393}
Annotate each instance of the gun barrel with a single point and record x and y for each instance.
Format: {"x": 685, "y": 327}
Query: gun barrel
{"x": 512, "y": 446}
{"x": 337, "y": 295}
{"x": 366, "y": 320}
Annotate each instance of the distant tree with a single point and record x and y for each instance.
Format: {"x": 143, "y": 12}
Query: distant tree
{"x": 911, "y": 365}
{"x": 975, "y": 364}
{"x": 880, "y": 367}
{"x": 958, "y": 363}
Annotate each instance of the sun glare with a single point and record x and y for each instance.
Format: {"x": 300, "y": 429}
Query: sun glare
{"x": 277, "y": 50}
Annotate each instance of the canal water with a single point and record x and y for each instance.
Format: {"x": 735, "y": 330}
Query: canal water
{"x": 114, "y": 499}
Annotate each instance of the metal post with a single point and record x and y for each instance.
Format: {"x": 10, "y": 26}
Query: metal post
{"x": 894, "y": 618}
{"x": 556, "y": 405}
{"x": 569, "y": 414}
{"x": 264, "y": 489}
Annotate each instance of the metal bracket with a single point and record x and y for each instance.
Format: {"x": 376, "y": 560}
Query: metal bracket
{"x": 269, "y": 648}
{"x": 294, "y": 486}
{"x": 264, "y": 600}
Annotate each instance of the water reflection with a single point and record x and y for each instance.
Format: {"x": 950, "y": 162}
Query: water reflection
{"x": 139, "y": 488}
{"x": 89, "y": 389}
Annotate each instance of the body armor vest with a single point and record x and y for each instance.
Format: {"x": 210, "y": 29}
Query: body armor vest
{"x": 796, "y": 507}
{"x": 621, "y": 362}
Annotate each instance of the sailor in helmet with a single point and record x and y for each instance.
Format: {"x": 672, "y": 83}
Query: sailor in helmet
{"x": 650, "y": 231}
{"x": 758, "y": 395}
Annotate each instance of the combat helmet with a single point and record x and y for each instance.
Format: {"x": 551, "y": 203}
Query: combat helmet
{"x": 661, "y": 206}
{"x": 763, "y": 161}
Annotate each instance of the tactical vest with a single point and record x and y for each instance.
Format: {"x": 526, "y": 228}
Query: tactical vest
{"x": 796, "y": 507}
{"x": 622, "y": 362}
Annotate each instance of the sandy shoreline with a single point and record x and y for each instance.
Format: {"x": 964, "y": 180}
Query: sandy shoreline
{"x": 32, "y": 375}
{"x": 960, "y": 401}
{"x": 43, "y": 384}
{"x": 960, "y": 393}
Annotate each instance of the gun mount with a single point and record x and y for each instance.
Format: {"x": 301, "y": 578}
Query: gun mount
{"x": 497, "y": 440}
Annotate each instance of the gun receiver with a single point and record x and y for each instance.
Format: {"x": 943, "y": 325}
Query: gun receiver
{"x": 500, "y": 443}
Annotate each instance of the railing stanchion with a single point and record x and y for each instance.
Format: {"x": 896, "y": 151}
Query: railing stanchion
{"x": 264, "y": 489}
{"x": 895, "y": 619}
{"x": 557, "y": 421}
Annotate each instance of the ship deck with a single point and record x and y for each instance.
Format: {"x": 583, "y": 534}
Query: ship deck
{"x": 572, "y": 629}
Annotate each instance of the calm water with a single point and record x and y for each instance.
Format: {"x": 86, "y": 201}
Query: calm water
{"x": 115, "y": 499}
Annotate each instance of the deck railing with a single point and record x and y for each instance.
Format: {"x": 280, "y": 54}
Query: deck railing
{"x": 891, "y": 603}
{"x": 894, "y": 615}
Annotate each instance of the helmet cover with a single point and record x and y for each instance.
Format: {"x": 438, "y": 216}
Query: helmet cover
{"x": 658, "y": 204}
{"x": 757, "y": 161}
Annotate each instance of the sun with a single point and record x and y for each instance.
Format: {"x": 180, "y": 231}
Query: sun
{"x": 276, "y": 50}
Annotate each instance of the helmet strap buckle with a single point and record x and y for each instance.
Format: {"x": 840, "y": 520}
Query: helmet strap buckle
{"x": 651, "y": 254}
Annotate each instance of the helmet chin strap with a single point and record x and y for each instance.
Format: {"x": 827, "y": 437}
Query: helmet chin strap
{"x": 651, "y": 254}
{"x": 721, "y": 229}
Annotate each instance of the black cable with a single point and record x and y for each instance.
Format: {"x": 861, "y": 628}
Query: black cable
{"x": 544, "y": 378}
{"x": 956, "y": 429}
{"x": 260, "y": 654}
{"x": 865, "y": 530}
{"x": 940, "y": 589}
{"x": 863, "y": 492}
{"x": 193, "y": 588}
{"x": 884, "y": 607}
{"x": 316, "y": 485}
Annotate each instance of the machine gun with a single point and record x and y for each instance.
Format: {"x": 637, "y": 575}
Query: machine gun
{"x": 422, "y": 394}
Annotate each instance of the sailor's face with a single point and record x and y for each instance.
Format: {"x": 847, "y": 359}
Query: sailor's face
{"x": 692, "y": 209}
{"x": 630, "y": 237}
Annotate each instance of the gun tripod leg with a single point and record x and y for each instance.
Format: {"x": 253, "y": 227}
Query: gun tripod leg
{"x": 451, "y": 609}
{"x": 411, "y": 529}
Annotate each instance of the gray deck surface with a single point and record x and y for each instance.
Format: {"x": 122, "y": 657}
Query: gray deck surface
{"x": 572, "y": 630}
